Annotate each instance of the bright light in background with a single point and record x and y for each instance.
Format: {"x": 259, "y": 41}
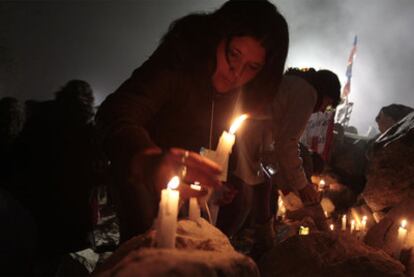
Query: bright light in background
{"x": 321, "y": 36}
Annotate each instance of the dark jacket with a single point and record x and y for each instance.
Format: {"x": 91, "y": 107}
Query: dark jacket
{"x": 168, "y": 101}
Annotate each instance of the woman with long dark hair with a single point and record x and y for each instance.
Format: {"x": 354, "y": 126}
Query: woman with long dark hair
{"x": 183, "y": 97}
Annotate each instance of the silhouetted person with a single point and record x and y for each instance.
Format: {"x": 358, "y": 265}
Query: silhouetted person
{"x": 57, "y": 154}
{"x": 11, "y": 124}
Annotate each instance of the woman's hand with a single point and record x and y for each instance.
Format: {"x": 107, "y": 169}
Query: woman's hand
{"x": 156, "y": 168}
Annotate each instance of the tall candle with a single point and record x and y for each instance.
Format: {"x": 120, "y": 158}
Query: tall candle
{"x": 167, "y": 215}
{"x": 402, "y": 231}
{"x": 352, "y": 225}
{"x": 357, "y": 225}
{"x": 194, "y": 209}
{"x": 364, "y": 223}
{"x": 225, "y": 146}
{"x": 344, "y": 222}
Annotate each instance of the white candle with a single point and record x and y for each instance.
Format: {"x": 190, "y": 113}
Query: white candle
{"x": 352, "y": 225}
{"x": 344, "y": 222}
{"x": 167, "y": 215}
{"x": 321, "y": 185}
{"x": 357, "y": 225}
{"x": 364, "y": 223}
{"x": 225, "y": 146}
{"x": 402, "y": 231}
{"x": 194, "y": 209}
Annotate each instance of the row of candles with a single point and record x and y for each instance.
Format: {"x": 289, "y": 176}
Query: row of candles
{"x": 354, "y": 226}
{"x": 361, "y": 226}
{"x": 166, "y": 222}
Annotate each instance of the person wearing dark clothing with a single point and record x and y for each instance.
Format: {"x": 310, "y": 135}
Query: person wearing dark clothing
{"x": 57, "y": 151}
{"x": 11, "y": 123}
{"x": 183, "y": 97}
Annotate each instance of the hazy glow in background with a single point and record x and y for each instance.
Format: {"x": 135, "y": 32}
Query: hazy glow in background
{"x": 45, "y": 44}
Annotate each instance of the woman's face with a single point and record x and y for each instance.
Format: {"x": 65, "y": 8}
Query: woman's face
{"x": 238, "y": 62}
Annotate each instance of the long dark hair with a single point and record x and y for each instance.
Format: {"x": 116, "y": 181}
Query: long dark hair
{"x": 259, "y": 19}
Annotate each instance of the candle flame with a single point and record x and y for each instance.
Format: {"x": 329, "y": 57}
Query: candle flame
{"x": 364, "y": 218}
{"x": 322, "y": 182}
{"x": 332, "y": 227}
{"x": 404, "y": 223}
{"x": 303, "y": 231}
{"x": 173, "y": 183}
{"x": 236, "y": 123}
{"x": 195, "y": 186}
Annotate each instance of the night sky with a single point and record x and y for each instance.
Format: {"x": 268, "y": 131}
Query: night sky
{"x": 45, "y": 44}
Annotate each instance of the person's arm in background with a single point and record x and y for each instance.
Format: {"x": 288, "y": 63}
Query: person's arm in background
{"x": 292, "y": 108}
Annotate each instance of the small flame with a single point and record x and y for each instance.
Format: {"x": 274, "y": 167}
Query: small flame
{"x": 322, "y": 182}
{"x": 364, "y": 218}
{"x": 196, "y": 186}
{"x": 332, "y": 227}
{"x": 173, "y": 183}
{"x": 236, "y": 123}
{"x": 303, "y": 231}
{"x": 404, "y": 223}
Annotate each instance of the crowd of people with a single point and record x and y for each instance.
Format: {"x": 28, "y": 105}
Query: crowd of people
{"x": 50, "y": 163}
{"x": 208, "y": 68}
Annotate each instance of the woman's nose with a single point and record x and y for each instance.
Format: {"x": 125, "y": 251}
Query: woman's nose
{"x": 237, "y": 70}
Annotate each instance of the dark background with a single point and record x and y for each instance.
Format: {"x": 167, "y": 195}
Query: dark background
{"x": 43, "y": 44}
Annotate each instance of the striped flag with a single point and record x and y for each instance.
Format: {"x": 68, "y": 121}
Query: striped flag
{"x": 347, "y": 88}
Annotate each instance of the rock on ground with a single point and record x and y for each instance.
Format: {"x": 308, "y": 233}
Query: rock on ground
{"x": 390, "y": 176}
{"x": 201, "y": 250}
{"x": 384, "y": 235}
{"x": 327, "y": 254}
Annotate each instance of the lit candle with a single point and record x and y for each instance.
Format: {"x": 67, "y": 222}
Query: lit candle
{"x": 402, "y": 231}
{"x": 321, "y": 185}
{"x": 326, "y": 214}
{"x": 225, "y": 146}
{"x": 352, "y": 225}
{"x": 166, "y": 226}
{"x": 281, "y": 211}
{"x": 303, "y": 231}
{"x": 364, "y": 223}
{"x": 331, "y": 227}
{"x": 344, "y": 222}
{"x": 194, "y": 210}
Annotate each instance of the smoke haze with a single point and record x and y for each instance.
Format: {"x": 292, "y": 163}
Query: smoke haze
{"x": 45, "y": 44}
